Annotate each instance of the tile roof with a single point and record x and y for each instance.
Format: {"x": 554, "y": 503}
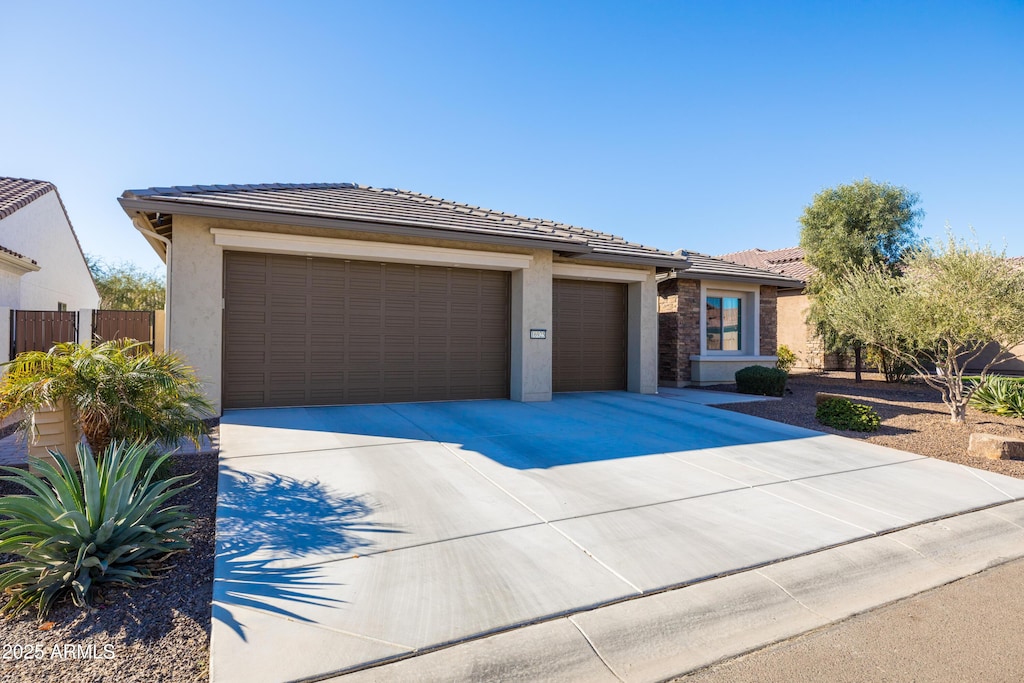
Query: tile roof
{"x": 789, "y": 261}
{"x": 16, "y": 193}
{"x": 713, "y": 266}
{"x": 353, "y": 202}
{"x": 17, "y": 255}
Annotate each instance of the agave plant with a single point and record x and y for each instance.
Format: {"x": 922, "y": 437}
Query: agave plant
{"x": 119, "y": 390}
{"x": 71, "y": 533}
{"x": 1000, "y": 396}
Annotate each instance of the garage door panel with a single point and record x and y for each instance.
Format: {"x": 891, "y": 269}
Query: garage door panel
{"x": 589, "y": 336}
{"x": 306, "y": 331}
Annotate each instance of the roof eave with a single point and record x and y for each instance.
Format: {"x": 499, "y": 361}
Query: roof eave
{"x": 133, "y": 205}
{"x": 18, "y": 264}
{"x": 701, "y": 275}
{"x": 662, "y": 263}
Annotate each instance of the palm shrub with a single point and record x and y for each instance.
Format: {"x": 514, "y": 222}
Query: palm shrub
{"x": 119, "y": 390}
{"x": 999, "y": 396}
{"x": 72, "y": 533}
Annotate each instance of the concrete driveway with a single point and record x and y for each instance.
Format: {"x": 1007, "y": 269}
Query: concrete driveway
{"x": 573, "y": 539}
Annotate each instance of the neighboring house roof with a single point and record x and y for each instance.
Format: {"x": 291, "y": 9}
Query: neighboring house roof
{"x": 11, "y": 252}
{"x": 361, "y": 207}
{"x": 703, "y": 266}
{"x": 16, "y": 193}
{"x": 789, "y": 261}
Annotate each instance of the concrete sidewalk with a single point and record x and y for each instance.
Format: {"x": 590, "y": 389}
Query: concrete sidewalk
{"x": 585, "y": 537}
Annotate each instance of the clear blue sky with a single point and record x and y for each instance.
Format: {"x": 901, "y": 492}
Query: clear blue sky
{"x": 703, "y": 125}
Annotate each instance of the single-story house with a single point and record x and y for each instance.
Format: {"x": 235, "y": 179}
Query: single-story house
{"x": 321, "y": 294}
{"x": 42, "y": 267}
{"x": 716, "y": 317}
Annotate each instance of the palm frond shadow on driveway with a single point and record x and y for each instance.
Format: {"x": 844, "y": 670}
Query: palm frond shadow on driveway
{"x": 263, "y": 518}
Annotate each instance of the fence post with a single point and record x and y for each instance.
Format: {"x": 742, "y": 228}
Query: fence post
{"x": 85, "y": 327}
{"x": 6, "y": 342}
{"x": 159, "y": 331}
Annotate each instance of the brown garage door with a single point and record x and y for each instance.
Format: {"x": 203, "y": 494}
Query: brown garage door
{"x": 589, "y": 343}
{"x": 317, "y": 331}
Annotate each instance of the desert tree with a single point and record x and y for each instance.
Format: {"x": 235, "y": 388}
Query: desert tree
{"x": 124, "y": 286}
{"x": 859, "y": 225}
{"x": 938, "y": 314}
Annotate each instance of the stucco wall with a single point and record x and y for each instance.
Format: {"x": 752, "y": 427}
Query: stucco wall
{"x": 195, "y": 324}
{"x": 10, "y": 287}
{"x": 41, "y": 231}
{"x": 531, "y": 309}
{"x": 793, "y": 330}
{"x": 1013, "y": 366}
{"x": 642, "y": 369}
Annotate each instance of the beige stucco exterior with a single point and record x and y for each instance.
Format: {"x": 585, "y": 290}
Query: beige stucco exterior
{"x": 793, "y": 331}
{"x": 41, "y": 231}
{"x": 195, "y": 301}
{"x": 1012, "y": 366}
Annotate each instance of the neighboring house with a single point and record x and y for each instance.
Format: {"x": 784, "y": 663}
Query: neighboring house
{"x": 1013, "y": 366}
{"x": 41, "y": 262}
{"x": 325, "y": 294}
{"x": 716, "y": 317}
{"x": 793, "y": 305}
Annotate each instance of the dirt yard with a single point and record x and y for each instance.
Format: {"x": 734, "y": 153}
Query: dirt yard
{"x": 913, "y": 417}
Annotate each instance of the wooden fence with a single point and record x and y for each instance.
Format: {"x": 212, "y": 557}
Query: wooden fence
{"x": 40, "y": 330}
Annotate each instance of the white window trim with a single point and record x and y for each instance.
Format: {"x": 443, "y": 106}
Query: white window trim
{"x": 306, "y": 245}
{"x": 723, "y": 288}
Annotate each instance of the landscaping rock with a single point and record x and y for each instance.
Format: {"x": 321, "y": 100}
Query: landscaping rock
{"x": 822, "y": 396}
{"x": 996, "y": 447}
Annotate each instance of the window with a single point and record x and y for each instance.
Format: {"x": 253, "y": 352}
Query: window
{"x": 724, "y": 323}
{"x": 61, "y": 306}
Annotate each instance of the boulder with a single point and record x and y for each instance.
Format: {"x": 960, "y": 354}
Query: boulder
{"x": 996, "y": 447}
{"x": 822, "y": 396}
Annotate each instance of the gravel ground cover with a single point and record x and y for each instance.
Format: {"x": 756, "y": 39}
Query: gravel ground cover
{"x": 157, "y": 631}
{"x": 913, "y": 417}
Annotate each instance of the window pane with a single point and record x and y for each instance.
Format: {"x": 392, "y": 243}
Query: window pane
{"x": 731, "y": 324}
{"x": 713, "y": 310}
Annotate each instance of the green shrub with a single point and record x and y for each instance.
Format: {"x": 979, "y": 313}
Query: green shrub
{"x": 999, "y": 396}
{"x": 787, "y": 359}
{"x": 842, "y": 413}
{"x": 761, "y": 381}
{"x": 70, "y": 534}
{"x": 893, "y": 369}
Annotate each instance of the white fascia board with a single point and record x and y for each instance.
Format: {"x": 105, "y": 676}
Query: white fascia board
{"x": 16, "y": 265}
{"x": 305, "y": 245}
{"x": 579, "y": 271}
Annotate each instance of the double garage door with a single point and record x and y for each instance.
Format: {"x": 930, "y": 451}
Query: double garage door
{"x": 317, "y": 331}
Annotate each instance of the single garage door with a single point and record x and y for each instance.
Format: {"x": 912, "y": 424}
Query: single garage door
{"x": 589, "y": 336}
{"x": 318, "y": 331}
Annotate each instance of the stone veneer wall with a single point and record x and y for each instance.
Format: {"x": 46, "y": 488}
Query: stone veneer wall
{"x": 678, "y": 329}
{"x": 769, "y": 320}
